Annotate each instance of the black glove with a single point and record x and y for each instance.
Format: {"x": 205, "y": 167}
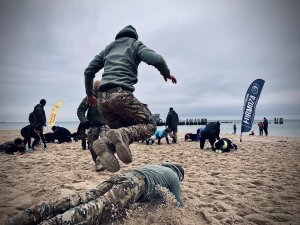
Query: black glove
{"x": 86, "y": 124}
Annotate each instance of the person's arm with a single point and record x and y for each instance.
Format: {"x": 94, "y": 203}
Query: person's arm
{"x": 81, "y": 110}
{"x": 89, "y": 74}
{"x": 175, "y": 189}
{"x": 43, "y": 139}
{"x": 167, "y": 139}
{"x": 152, "y": 58}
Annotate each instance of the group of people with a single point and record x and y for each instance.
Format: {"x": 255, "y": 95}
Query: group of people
{"x": 211, "y": 132}
{"x": 263, "y": 127}
{"x": 116, "y": 118}
{"x": 37, "y": 120}
{"x": 35, "y": 130}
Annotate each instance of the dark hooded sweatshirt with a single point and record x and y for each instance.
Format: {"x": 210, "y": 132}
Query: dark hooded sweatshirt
{"x": 120, "y": 61}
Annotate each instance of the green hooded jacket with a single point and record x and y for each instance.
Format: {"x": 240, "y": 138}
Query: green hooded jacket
{"x": 120, "y": 61}
{"x": 93, "y": 114}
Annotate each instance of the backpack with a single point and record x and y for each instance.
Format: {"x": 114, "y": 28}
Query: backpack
{"x": 31, "y": 118}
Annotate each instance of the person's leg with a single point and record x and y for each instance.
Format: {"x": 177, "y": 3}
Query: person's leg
{"x": 167, "y": 139}
{"x": 92, "y": 135}
{"x": 124, "y": 112}
{"x": 175, "y": 135}
{"x": 129, "y": 120}
{"x": 25, "y": 141}
{"x": 36, "y": 140}
{"x": 266, "y": 131}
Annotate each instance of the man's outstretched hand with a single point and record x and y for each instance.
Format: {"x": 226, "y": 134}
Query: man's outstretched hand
{"x": 174, "y": 81}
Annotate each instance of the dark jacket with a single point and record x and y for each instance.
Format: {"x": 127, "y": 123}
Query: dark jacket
{"x": 120, "y": 61}
{"x": 210, "y": 132}
{"x": 11, "y": 148}
{"x": 224, "y": 144}
{"x": 93, "y": 114}
{"x": 28, "y": 133}
{"x": 266, "y": 123}
{"x": 39, "y": 114}
{"x": 62, "y": 135}
{"x": 172, "y": 119}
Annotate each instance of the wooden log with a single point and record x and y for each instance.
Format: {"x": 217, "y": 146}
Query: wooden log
{"x": 108, "y": 198}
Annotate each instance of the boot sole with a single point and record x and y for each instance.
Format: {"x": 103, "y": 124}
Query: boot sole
{"x": 108, "y": 160}
{"x": 123, "y": 152}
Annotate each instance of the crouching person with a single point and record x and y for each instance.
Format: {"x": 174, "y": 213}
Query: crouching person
{"x": 224, "y": 145}
{"x": 158, "y": 135}
{"x": 61, "y": 134}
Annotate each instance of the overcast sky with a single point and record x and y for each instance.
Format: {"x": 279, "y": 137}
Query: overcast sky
{"x": 215, "y": 49}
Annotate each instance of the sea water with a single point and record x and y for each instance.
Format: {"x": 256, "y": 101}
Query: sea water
{"x": 289, "y": 128}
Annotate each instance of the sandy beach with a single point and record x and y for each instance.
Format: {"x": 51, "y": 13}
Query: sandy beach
{"x": 257, "y": 184}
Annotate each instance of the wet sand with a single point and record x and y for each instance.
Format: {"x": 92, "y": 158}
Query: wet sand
{"x": 257, "y": 184}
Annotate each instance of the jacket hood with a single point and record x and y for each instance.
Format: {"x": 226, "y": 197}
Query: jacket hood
{"x": 128, "y": 31}
{"x": 176, "y": 168}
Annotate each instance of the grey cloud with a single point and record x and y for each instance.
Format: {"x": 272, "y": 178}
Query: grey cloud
{"x": 214, "y": 48}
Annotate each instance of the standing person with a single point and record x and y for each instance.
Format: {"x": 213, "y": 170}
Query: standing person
{"x": 172, "y": 123}
{"x": 261, "y": 128}
{"x": 129, "y": 119}
{"x": 234, "y": 129}
{"x": 31, "y": 131}
{"x": 266, "y": 125}
{"x": 38, "y": 116}
{"x": 95, "y": 124}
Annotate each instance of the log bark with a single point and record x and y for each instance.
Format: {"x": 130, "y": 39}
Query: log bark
{"x": 105, "y": 201}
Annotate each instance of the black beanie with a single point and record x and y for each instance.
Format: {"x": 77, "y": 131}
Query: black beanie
{"x": 18, "y": 141}
{"x": 43, "y": 102}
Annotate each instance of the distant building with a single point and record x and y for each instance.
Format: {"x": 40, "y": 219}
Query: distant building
{"x": 158, "y": 120}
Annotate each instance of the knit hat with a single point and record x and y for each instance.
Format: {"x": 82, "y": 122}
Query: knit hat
{"x": 43, "y": 102}
{"x": 18, "y": 141}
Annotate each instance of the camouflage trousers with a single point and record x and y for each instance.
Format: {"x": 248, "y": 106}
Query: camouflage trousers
{"x": 94, "y": 132}
{"x": 122, "y": 110}
{"x": 106, "y": 201}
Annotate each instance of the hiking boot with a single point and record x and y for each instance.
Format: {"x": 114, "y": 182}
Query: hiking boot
{"x": 98, "y": 166}
{"x": 121, "y": 141}
{"x": 106, "y": 153}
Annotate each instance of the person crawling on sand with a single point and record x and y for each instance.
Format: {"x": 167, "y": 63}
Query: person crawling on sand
{"x": 15, "y": 147}
{"x": 167, "y": 175}
{"x": 62, "y": 134}
{"x": 224, "y": 145}
{"x": 158, "y": 135}
{"x": 210, "y": 132}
